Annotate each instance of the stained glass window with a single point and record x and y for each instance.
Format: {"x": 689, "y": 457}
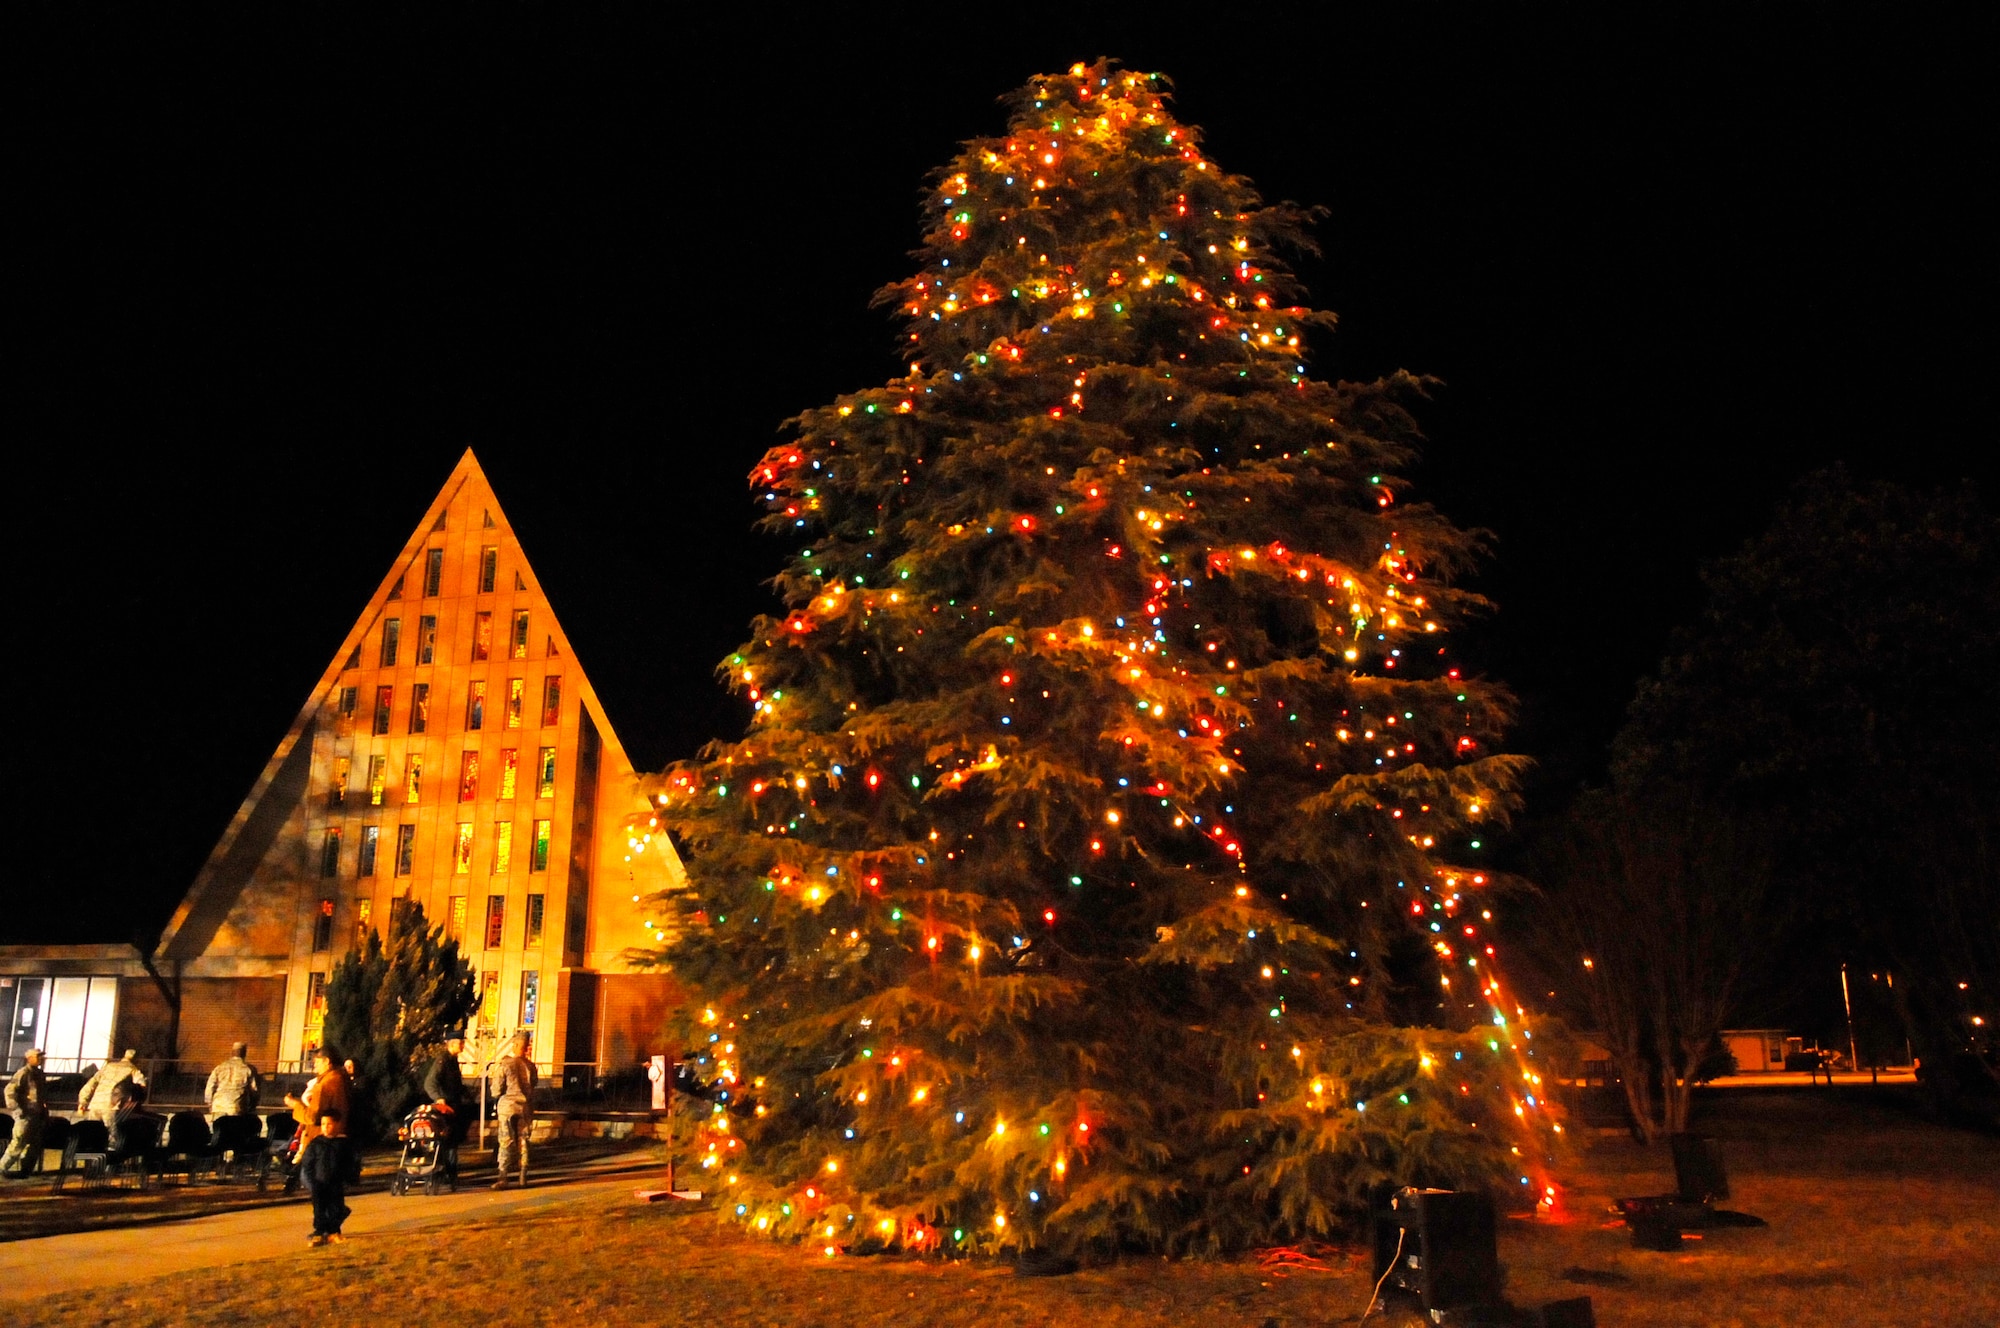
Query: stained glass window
{"x": 482, "y": 635}
{"x": 456, "y": 931}
{"x": 534, "y": 924}
{"x": 489, "y": 1001}
{"x": 531, "y": 997}
{"x": 521, "y": 634}
{"x": 503, "y": 847}
{"x": 517, "y": 692}
{"x": 509, "y": 759}
{"x": 461, "y": 853}
{"x": 551, "y": 699}
{"x": 413, "y": 779}
{"x": 363, "y": 913}
{"x": 496, "y": 920}
{"x": 546, "y": 775}
{"x": 385, "y": 697}
{"x": 475, "y": 707}
{"x": 468, "y": 776}
{"x": 489, "y": 562}
{"x": 540, "y": 859}
{"x": 378, "y": 778}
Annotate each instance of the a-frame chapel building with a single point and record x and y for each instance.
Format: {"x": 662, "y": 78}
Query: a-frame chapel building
{"x": 452, "y": 755}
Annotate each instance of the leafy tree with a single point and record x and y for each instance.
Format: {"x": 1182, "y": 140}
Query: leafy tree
{"x": 1836, "y": 684}
{"x": 1105, "y": 769}
{"x": 390, "y": 1004}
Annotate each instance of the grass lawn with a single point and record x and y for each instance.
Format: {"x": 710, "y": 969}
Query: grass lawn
{"x": 1876, "y": 1218}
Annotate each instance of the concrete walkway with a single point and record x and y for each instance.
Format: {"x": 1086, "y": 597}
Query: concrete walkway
{"x": 89, "y": 1260}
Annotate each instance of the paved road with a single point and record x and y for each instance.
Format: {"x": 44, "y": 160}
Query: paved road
{"x": 89, "y": 1260}
{"x": 1799, "y": 1079}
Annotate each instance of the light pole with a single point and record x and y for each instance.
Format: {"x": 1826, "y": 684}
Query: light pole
{"x": 1853, "y": 1057}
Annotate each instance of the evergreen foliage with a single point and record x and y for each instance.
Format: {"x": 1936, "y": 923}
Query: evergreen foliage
{"x": 389, "y": 1007}
{"x": 1107, "y": 794}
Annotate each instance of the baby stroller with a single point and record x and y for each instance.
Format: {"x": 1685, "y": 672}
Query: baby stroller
{"x": 430, "y": 1152}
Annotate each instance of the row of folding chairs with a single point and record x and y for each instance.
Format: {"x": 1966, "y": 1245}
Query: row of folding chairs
{"x": 155, "y": 1147}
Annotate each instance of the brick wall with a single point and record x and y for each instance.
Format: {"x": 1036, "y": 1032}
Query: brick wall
{"x": 632, "y": 1018}
{"x": 215, "y": 1012}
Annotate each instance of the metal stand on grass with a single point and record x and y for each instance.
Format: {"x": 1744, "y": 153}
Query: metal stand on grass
{"x": 667, "y": 1070}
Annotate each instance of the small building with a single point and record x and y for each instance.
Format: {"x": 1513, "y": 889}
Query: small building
{"x": 453, "y": 755}
{"x": 1758, "y": 1050}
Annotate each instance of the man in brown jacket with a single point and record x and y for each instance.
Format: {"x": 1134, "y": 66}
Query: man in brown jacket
{"x": 322, "y": 1115}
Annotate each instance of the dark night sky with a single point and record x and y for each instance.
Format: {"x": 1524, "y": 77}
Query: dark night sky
{"x": 271, "y": 275}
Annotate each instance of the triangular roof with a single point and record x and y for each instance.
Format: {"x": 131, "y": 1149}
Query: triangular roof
{"x": 278, "y": 790}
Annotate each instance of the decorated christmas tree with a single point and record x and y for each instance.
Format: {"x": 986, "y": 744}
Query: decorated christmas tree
{"x": 1101, "y": 865}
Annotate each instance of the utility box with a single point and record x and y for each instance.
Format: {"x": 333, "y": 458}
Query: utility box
{"x": 1698, "y": 1169}
{"x": 1439, "y": 1246}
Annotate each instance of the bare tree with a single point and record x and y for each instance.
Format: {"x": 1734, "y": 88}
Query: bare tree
{"x": 1650, "y": 910}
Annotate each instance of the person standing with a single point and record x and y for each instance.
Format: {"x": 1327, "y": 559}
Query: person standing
{"x": 322, "y": 1115}
{"x": 444, "y": 1089}
{"x": 513, "y": 1085}
{"x": 232, "y": 1086}
{"x": 28, "y": 1100}
{"x": 99, "y": 1097}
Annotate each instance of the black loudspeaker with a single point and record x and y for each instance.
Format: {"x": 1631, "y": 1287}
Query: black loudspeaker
{"x": 1447, "y": 1256}
{"x": 1698, "y": 1168}
{"x": 1576, "y": 1313}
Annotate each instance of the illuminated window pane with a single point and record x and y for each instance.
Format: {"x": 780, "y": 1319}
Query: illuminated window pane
{"x": 503, "y": 847}
{"x": 509, "y": 760}
{"x": 433, "y": 571}
{"x": 534, "y": 922}
{"x": 531, "y": 997}
{"x": 545, "y": 786}
{"x": 413, "y": 779}
{"x": 336, "y": 789}
{"x": 482, "y": 635}
{"x": 489, "y": 563}
{"x": 517, "y": 692}
{"x": 323, "y": 927}
{"x": 384, "y": 698}
{"x": 468, "y": 777}
{"x": 475, "y": 707}
{"x": 539, "y": 861}
{"x": 315, "y": 1008}
{"x": 427, "y": 638}
{"x": 420, "y": 707}
{"x": 392, "y": 632}
{"x": 489, "y": 1001}
{"x": 461, "y": 853}
{"x": 551, "y": 699}
{"x": 363, "y": 919}
{"x": 329, "y": 852}
{"x": 371, "y": 837}
{"x": 378, "y": 779}
{"x": 520, "y": 645}
{"x": 406, "y": 847}
{"x": 457, "y": 927}
{"x": 496, "y": 920}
